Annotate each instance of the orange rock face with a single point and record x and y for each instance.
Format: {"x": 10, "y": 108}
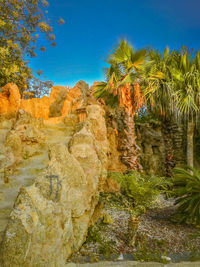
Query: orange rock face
{"x": 38, "y": 108}
{"x": 9, "y": 99}
{"x": 4, "y": 104}
{"x": 61, "y": 102}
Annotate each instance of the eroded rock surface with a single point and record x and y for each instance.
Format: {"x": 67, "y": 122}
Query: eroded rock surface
{"x": 152, "y": 147}
{"x": 55, "y": 169}
{"x": 60, "y": 103}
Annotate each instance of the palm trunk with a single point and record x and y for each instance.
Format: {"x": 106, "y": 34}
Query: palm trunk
{"x": 128, "y": 144}
{"x": 190, "y": 144}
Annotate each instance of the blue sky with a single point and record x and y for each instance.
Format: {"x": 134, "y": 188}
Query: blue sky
{"x": 93, "y": 27}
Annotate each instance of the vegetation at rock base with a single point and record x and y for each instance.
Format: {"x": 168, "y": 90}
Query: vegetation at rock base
{"x": 146, "y": 253}
{"x": 141, "y": 190}
{"x": 187, "y": 192}
{"x": 115, "y": 229}
{"x": 109, "y": 237}
{"x": 22, "y": 24}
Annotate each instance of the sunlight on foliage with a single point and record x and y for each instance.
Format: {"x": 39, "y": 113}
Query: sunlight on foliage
{"x": 20, "y": 25}
{"x": 187, "y": 191}
{"x": 121, "y": 87}
{"x": 142, "y": 190}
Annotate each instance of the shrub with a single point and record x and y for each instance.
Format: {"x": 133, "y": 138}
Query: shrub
{"x": 187, "y": 191}
{"x": 142, "y": 190}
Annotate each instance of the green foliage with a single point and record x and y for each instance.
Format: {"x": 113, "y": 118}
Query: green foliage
{"x": 144, "y": 116}
{"x": 125, "y": 62}
{"x": 187, "y": 191}
{"x": 105, "y": 247}
{"x": 171, "y": 82}
{"x": 22, "y": 24}
{"x": 146, "y": 252}
{"x": 142, "y": 190}
{"x": 116, "y": 200}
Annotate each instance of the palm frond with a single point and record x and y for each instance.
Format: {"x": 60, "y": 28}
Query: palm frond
{"x": 187, "y": 191}
{"x": 125, "y": 64}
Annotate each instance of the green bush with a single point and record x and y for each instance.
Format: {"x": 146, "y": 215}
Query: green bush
{"x": 142, "y": 190}
{"x": 187, "y": 191}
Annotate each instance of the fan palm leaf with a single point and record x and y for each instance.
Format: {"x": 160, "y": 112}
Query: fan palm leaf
{"x": 187, "y": 191}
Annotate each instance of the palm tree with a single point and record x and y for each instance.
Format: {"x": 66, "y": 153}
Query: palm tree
{"x": 172, "y": 81}
{"x": 121, "y": 90}
{"x": 156, "y": 75}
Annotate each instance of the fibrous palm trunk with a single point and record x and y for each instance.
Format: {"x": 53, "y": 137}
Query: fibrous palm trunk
{"x": 190, "y": 144}
{"x": 131, "y": 100}
{"x": 127, "y": 143}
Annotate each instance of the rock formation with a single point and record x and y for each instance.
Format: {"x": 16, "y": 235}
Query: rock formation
{"x": 52, "y": 169}
{"x": 152, "y": 147}
{"x": 60, "y": 103}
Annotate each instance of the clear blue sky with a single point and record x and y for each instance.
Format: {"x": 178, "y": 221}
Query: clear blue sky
{"x": 93, "y": 27}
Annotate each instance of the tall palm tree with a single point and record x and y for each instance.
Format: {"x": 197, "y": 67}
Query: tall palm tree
{"x": 186, "y": 84}
{"x": 172, "y": 84}
{"x": 121, "y": 89}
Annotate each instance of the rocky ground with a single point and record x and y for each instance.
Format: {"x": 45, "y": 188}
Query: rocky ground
{"x": 157, "y": 236}
{"x": 156, "y": 226}
{"x": 157, "y": 232}
{"x": 134, "y": 264}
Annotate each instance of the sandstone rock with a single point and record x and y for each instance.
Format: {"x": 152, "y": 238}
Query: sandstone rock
{"x": 56, "y": 91}
{"x": 14, "y": 142}
{"x": 40, "y": 230}
{"x": 66, "y": 108}
{"x": 38, "y": 108}
{"x": 83, "y": 149}
{"x": 150, "y": 140}
{"x": 9, "y": 99}
{"x": 57, "y": 98}
{"x": 71, "y": 120}
{"x": 11, "y": 91}
{"x": 111, "y": 186}
{"x": 76, "y": 97}
{"x": 5, "y": 127}
{"x": 114, "y": 156}
{"x": 14, "y": 96}
{"x": 61, "y": 102}
{"x": 4, "y": 104}
{"x": 51, "y": 217}
{"x": 3, "y": 161}
{"x": 97, "y": 125}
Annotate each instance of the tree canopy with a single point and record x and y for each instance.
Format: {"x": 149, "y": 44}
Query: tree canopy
{"x": 120, "y": 87}
{"x": 171, "y": 82}
{"x": 22, "y": 24}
